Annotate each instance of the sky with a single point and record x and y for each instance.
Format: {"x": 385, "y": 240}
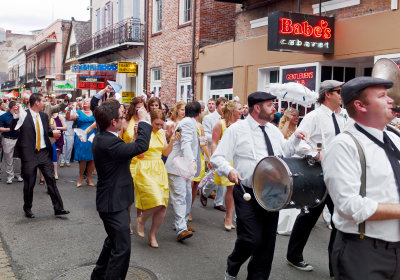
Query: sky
{"x": 23, "y": 16}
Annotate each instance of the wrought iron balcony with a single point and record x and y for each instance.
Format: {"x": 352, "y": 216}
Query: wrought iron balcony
{"x": 22, "y": 79}
{"x": 42, "y": 72}
{"x": 122, "y": 33}
{"x": 31, "y": 76}
{"x": 8, "y": 85}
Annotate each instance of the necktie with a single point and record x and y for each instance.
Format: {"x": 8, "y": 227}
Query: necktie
{"x": 394, "y": 162}
{"x": 267, "y": 141}
{"x": 337, "y": 129}
{"x": 37, "y": 133}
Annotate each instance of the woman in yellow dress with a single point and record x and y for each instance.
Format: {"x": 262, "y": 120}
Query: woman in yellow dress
{"x": 151, "y": 179}
{"x": 231, "y": 112}
{"x": 128, "y": 134}
{"x": 289, "y": 122}
{"x": 196, "y": 180}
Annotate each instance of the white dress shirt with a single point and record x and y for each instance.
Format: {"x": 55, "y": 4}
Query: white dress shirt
{"x": 42, "y": 143}
{"x": 319, "y": 128}
{"x": 342, "y": 173}
{"x": 244, "y": 142}
{"x": 209, "y": 122}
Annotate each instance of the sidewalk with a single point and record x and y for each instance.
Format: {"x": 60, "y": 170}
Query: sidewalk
{"x": 6, "y": 272}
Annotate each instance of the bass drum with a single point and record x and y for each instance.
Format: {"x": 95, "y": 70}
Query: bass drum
{"x": 283, "y": 183}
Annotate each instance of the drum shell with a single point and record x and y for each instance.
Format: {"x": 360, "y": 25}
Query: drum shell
{"x": 296, "y": 183}
{"x": 308, "y": 184}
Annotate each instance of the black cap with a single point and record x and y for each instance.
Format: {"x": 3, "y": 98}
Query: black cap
{"x": 354, "y": 87}
{"x": 259, "y": 96}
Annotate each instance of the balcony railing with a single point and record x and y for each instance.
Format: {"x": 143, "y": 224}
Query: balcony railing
{"x": 31, "y": 76}
{"x": 8, "y": 85}
{"x": 22, "y": 79}
{"x": 45, "y": 71}
{"x": 129, "y": 30}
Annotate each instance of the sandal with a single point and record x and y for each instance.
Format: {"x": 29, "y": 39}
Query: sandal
{"x": 41, "y": 182}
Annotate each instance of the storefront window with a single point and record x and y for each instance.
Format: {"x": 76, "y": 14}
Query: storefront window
{"x": 222, "y": 81}
{"x": 342, "y": 74}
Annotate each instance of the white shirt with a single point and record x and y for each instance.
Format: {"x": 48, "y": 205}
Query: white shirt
{"x": 342, "y": 172}
{"x": 244, "y": 142}
{"x": 319, "y": 128}
{"x": 208, "y": 124}
{"x": 42, "y": 143}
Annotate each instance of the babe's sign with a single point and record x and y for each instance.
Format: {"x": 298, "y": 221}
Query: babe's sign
{"x": 300, "y": 32}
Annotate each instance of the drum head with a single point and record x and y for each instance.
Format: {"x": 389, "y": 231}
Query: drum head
{"x": 271, "y": 183}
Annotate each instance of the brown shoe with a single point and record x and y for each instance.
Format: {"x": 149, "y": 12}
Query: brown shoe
{"x": 203, "y": 199}
{"x": 220, "y": 208}
{"x": 184, "y": 235}
{"x": 192, "y": 229}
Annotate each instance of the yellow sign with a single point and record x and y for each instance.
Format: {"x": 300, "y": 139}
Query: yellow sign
{"x": 127, "y": 67}
{"x": 127, "y": 96}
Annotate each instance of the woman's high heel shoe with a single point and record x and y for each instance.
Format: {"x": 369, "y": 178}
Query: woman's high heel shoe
{"x": 140, "y": 233}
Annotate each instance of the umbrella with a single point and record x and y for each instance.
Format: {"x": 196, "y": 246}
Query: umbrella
{"x": 294, "y": 93}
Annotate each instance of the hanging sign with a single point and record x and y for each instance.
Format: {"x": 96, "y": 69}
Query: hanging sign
{"x": 127, "y": 67}
{"x": 302, "y": 75}
{"x": 300, "y": 32}
{"x": 63, "y": 86}
{"x": 91, "y": 82}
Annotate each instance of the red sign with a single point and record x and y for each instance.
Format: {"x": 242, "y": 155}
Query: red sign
{"x": 91, "y": 82}
{"x": 289, "y": 31}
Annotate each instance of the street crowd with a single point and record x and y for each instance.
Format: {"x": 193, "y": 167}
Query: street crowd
{"x": 154, "y": 156}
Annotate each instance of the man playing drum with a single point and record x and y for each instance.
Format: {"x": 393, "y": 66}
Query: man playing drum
{"x": 321, "y": 126}
{"x": 367, "y": 211}
{"x": 247, "y": 142}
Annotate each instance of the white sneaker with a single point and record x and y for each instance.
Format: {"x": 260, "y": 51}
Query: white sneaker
{"x": 9, "y": 181}
{"x": 229, "y": 277}
{"x": 19, "y": 178}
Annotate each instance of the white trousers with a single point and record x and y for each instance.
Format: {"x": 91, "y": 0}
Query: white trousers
{"x": 65, "y": 157}
{"x": 181, "y": 196}
{"x": 12, "y": 165}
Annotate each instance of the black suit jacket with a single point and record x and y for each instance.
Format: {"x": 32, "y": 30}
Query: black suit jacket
{"x": 26, "y": 143}
{"x": 112, "y": 158}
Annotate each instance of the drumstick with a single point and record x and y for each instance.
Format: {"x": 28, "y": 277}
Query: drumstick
{"x": 246, "y": 196}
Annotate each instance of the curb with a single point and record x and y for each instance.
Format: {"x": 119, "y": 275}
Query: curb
{"x": 6, "y": 272}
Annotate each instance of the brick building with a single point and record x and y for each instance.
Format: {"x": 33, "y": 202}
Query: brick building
{"x": 173, "y": 46}
{"x": 362, "y": 34}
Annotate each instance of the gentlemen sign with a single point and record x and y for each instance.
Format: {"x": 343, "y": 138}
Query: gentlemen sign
{"x": 303, "y": 75}
{"x": 91, "y": 82}
{"x": 300, "y": 32}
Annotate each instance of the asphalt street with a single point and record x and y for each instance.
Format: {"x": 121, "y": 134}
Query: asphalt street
{"x": 47, "y": 246}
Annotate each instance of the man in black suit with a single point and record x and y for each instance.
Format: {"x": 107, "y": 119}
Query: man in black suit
{"x": 35, "y": 150}
{"x": 112, "y": 158}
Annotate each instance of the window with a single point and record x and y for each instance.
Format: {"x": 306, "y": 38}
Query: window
{"x": 98, "y": 20}
{"x": 338, "y": 73}
{"x": 157, "y": 16}
{"x": 155, "y": 82}
{"x": 120, "y": 10}
{"x": 184, "y": 82}
{"x": 52, "y": 70}
{"x": 185, "y": 11}
{"x": 109, "y": 9}
{"x": 222, "y": 82}
{"x": 72, "y": 51}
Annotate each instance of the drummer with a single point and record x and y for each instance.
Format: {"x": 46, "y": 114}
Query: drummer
{"x": 247, "y": 142}
{"x": 367, "y": 244}
{"x": 321, "y": 126}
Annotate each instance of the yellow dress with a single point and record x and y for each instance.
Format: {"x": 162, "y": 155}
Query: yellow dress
{"x": 222, "y": 181}
{"x": 151, "y": 178}
{"x": 127, "y": 138}
{"x": 203, "y": 162}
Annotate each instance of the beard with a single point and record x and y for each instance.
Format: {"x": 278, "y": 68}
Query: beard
{"x": 265, "y": 116}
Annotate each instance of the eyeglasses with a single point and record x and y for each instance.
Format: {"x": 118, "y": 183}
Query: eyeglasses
{"x": 335, "y": 90}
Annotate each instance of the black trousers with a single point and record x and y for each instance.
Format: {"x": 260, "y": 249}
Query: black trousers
{"x": 365, "y": 259}
{"x": 29, "y": 172}
{"x": 301, "y": 232}
{"x": 113, "y": 262}
{"x": 256, "y": 236}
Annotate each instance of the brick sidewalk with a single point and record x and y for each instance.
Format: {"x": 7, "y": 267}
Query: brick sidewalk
{"x": 6, "y": 272}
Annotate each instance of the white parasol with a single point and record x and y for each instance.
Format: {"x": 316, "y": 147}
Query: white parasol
{"x": 293, "y": 92}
